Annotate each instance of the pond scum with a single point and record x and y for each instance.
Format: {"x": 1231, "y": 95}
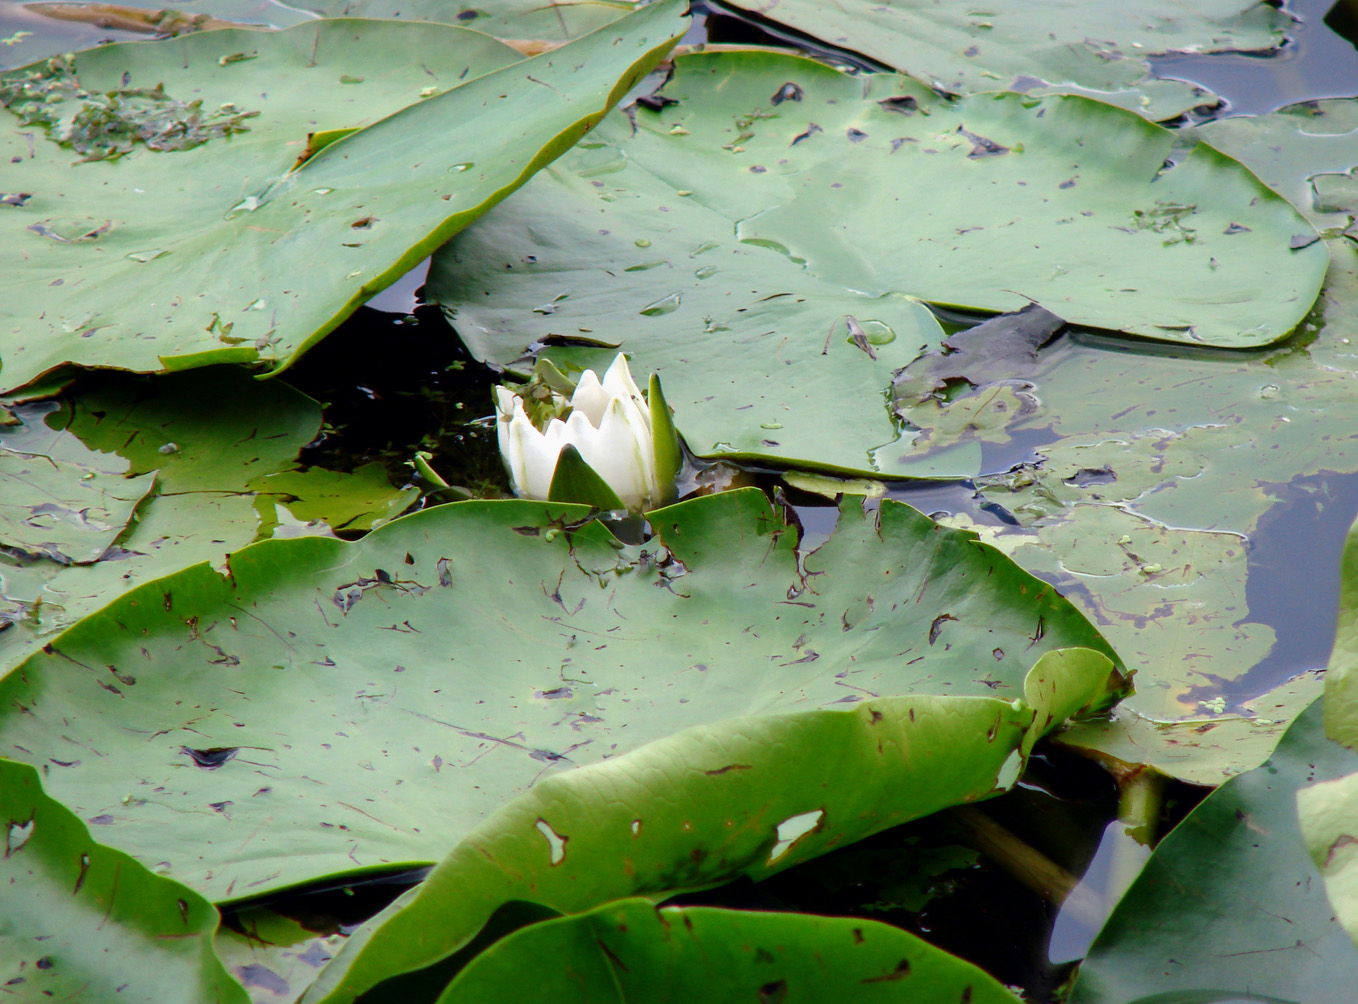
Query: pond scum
{"x": 970, "y": 636}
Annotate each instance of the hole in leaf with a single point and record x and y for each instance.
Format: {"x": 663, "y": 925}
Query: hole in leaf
{"x": 556, "y": 843}
{"x": 792, "y": 829}
{"x": 19, "y": 834}
{"x": 210, "y": 759}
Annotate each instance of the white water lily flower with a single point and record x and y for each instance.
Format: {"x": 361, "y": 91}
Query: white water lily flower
{"x": 608, "y": 422}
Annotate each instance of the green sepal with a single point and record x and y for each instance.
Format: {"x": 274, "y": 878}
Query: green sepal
{"x": 669, "y": 455}
{"x": 575, "y": 481}
{"x": 546, "y": 372}
{"x": 422, "y": 468}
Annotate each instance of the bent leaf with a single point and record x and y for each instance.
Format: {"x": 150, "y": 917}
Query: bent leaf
{"x": 85, "y": 922}
{"x": 1341, "y": 678}
{"x": 1329, "y": 821}
{"x": 365, "y": 705}
{"x": 170, "y": 259}
{"x": 626, "y": 950}
{"x": 742, "y": 797}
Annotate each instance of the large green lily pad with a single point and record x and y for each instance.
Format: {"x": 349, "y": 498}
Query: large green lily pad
{"x": 625, "y": 950}
{"x": 329, "y": 707}
{"x": 213, "y": 248}
{"x": 1063, "y": 46}
{"x": 85, "y": 922}
{"x": 1230, "y": 906}
{"x": 726, "y": 240}
{"x": 745, "y": 797}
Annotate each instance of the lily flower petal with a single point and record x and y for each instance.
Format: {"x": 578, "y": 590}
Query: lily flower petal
{"x": 590, "y": 398}
{"x": 532, "y": 460}
{"x": 618, "y": 453}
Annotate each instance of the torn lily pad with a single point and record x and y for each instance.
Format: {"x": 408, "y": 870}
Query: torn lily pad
{"x": 399, "y": 689}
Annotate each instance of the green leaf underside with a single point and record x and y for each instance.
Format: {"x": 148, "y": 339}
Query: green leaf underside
{"x": 84, "y": 922}
{"x": 573, "y": 480}
{"x": 384, "y": 696}
{"x": 135, "y": 264}
{"x": 1328, "y": 813}
{"x": 624, "y": 951}
{"x": 1230, "y": 906}
{"x": 746, "y": 796}
{"x": 771, "y": 233}
{"x": 1067, "y": 45}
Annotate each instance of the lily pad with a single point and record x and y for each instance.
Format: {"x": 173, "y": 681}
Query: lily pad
{"x": 1065, "y": 46}
{"x": 1204, "y": 749}
{"x": 364, "y": 705}
{"x": 755, "y": 219}
{"x": 342, "y": 500}
{"x": 1159, "y": 479}
{"x": 510, "y": 19}
{"x": 133, "y": 261}
{"x": 625, "y": 950}
{"x": 209, "y": 440}
{"x": 85, "y": 922}
{"x": 63, "y": 510}
{"x": 1306, "y": 151}
{"x": 742, "y": 797}
{"x": 1259, "y": 927}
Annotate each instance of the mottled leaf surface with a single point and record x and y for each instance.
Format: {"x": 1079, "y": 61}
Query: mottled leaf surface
{"x": 1161, "y": 498}
{"x": 331, "y": 707}
{"x": 1307, "y": 151}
